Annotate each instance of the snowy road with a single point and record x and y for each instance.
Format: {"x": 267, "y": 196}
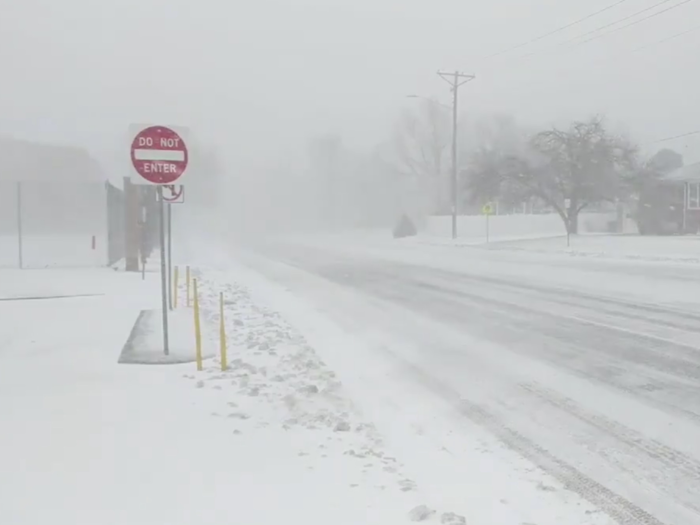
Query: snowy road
{"x": 588, "y": 370}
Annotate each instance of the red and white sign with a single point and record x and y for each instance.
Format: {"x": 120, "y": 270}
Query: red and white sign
{"x": 172, "y": 193}
{"x": 159, "y": 155}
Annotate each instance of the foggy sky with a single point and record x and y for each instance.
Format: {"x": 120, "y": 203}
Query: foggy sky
{"x": 258, "y": 78}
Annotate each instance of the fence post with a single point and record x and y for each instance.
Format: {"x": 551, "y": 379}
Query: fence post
{"x": 176, "y": 277}
{"x": 197, "y": 327}
{"x": 187, "y": 286}
{"x": 222, "y": 333}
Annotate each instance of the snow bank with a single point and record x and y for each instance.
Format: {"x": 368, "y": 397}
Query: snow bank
{"x": 682, "y": 249}
{"x": 317, "y": 457}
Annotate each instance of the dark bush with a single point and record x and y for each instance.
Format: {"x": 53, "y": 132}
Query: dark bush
{"x": 404, "y": 227}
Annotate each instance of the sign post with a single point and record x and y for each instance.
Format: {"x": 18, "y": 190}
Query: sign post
{"x": 159, "y": 157}
{"x": 171, "y": 194}
{"x": 20, "y": 248}
{"x": 163, "y": 276}
{"x": 170, "y": 253}
{"x": 487, "y": 210}
{"x": 567, "y": 205}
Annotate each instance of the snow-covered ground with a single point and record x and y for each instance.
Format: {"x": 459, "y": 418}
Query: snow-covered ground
{"x": 274, "y": 438}
{"x": 633, "y": 247}
{"x": 369, "y": 381}
{"x": 555, "y": 389}
{"x": 545, "y": 234}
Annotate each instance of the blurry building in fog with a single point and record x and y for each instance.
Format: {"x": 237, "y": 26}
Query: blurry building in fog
{"x": 56, "y": 208}
{"x": 671, "y": 204}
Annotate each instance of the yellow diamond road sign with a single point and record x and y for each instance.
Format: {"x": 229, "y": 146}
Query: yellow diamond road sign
{"x": 487, "y": 209}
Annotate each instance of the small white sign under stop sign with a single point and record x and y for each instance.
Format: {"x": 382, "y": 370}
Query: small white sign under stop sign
{"x": 172, "y": 194}
{"x": 567, "y": 203}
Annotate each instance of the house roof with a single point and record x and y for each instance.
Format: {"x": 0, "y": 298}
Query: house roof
{"x": 689, "y": 173}
{"x": 22, "y": 160}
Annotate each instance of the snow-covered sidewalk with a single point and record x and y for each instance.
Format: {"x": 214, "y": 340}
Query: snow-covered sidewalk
{"x": 273, "y": 439}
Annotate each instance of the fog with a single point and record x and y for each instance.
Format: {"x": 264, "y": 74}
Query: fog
{"x": 263, "y": 84}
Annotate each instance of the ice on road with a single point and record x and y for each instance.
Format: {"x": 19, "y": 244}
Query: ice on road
{"x": 580, "y": 376}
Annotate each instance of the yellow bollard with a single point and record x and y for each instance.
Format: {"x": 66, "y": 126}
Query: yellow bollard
{"x": 175, "y": 285}
{"x": 197, "y": 327}
{"x": 222, "y": 333}
{"x": 187, "y": 277}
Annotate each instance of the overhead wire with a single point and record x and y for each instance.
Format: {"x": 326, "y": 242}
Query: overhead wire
{"x": 639, "y": 21}
{"x": 594, "y": 33}
{"x": 667, "y": 39}
{"x": 557, "y": 30}
{"x": 683, "y": 135}
{"x": 623, "y": 19}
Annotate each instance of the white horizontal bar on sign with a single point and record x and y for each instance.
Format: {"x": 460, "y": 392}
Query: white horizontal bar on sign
{"x": 159, "y": 154}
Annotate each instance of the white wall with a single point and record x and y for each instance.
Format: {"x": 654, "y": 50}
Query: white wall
{"x": 52, "y": 251}
{"x": 519, "y": 226}
{"x": 59, "y": 221}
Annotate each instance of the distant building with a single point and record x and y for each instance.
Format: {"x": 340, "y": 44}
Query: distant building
{"x": 672, "y": 204}
{"x": 54, "y": 207}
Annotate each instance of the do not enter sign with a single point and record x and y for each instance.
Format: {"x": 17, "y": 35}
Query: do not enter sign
{"x": 159, "y": 155}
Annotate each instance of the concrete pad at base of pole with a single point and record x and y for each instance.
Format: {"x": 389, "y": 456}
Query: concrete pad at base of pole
{"x": 145, "y": 343}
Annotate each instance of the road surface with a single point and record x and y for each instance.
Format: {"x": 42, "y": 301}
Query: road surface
{"x": 590, "y": 370}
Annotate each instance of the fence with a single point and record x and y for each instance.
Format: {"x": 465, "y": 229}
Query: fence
{"x": 116, "y": 242}
{"x": 66, "y": 224}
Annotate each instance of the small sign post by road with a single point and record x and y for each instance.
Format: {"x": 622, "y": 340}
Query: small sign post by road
{"x": 171, "y": 194}
{"x": 567, "y": 205}
{"x": 487, "y": 210}
{"x": 159, "y": 157}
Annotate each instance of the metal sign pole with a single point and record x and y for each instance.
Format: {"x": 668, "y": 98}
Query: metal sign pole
{"x": 487, "y": 228}
{"x": 163, "y": 272}
{"x": 20, "y": 248}
{"x": 170, "y": 254}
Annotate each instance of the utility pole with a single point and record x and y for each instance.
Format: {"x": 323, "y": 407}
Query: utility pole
{"x": 455, "y": 79}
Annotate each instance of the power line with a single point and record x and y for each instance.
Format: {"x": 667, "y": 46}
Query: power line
{"x": 557, "y": 30}
{"x": 635, "y": 22}
{"x": 683, "y": 135}
{"x": 667, "y": 39}
{"x": 623, "y": 19}
{"x": 575, "y": 42}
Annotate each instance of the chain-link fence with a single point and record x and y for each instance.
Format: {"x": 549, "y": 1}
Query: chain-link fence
{"x": 60, "y": 224}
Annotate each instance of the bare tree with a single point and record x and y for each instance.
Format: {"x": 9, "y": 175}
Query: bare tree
{"x": 421, "y": 140}
{"x": 493, "y": 140}
{"x": 567, "y": 169}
